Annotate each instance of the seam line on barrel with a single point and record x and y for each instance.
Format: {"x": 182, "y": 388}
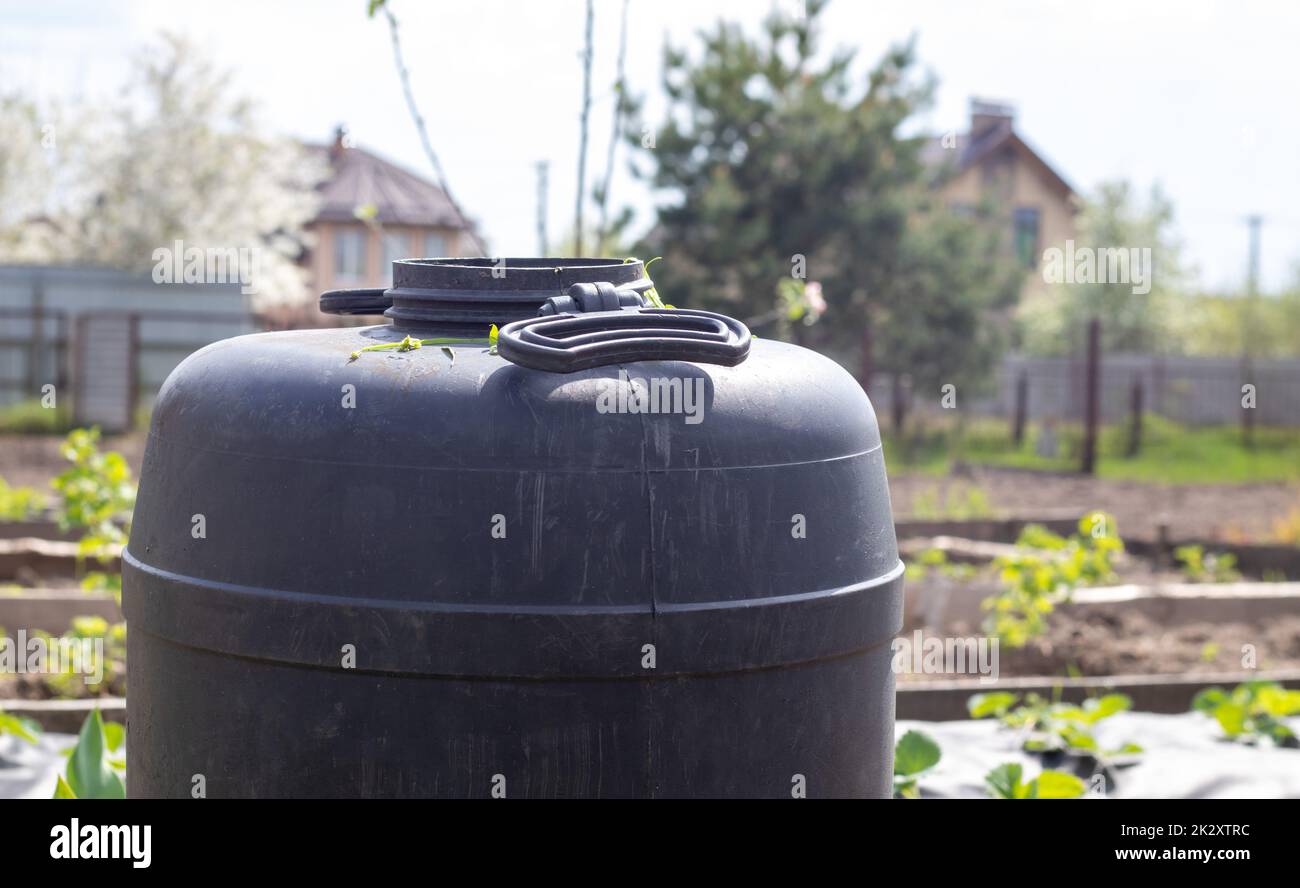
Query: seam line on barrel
{"x": 650, "y": 517}
{"x": 641, "y": 469}
{"x": 260, "y": 592}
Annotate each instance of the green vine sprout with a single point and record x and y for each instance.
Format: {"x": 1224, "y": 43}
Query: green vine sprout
{"x": 652, "y": 294}
{"x": 409, "y": 343}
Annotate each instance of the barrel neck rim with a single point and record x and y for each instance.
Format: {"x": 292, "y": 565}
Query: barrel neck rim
{"x": 493, "y": 291}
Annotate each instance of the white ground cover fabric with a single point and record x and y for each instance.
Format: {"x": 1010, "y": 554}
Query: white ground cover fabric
{"x": 29, "y": 771}
{"x": 1184, "y": 759}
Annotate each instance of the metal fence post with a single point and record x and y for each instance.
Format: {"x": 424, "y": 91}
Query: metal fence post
{"x": 1092, "y": 398}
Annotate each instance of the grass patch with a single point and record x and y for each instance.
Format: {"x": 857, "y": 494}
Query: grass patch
{"x": 1170, "y": 453}
{"x": 30, "y": 418}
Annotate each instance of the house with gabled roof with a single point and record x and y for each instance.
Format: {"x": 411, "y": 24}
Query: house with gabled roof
{"x": 374, "y": 211}
{"x": 991, "y": 167}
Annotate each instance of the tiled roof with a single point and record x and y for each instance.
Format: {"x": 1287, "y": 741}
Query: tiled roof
{"x": 967, "y": 152}
{"x": 399, "y": 197}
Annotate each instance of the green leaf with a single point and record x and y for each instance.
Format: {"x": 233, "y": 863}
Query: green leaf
{"x": 914, "y": 753}
{"x": 62, "y": 790}
{"x": 1057, "y": 785}
{"x": 1232, "y": 718}
{"x": 1209, "y": 700}
{"x": 1106, "y": 706}
{"x": 89, "y": 773}
{"x": 1069, "y": 713}
{"x": 89, "y": 627}
{"x": 1077, "y": 740}
{"x": 1280, "y": 733}
{"x": 1246, "y": 692}
{"x": 907, "y": 788}
{"x": 114, "y": 735}
{"x": 1278, "y": 701}
{"x": 1126, "y": 754}
{"x": 1004, "y": 780}
{"x": 993, "y": 703}
{"x": 22, "y": 728}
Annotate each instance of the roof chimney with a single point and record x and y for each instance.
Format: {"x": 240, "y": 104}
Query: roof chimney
{"x": 986, "y": 116}
{"x": 341, "y": 142}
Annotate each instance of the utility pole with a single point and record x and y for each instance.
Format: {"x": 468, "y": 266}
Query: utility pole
{"x": 582, "y": 135}
{"x": 620, "y": 94}
{"x": 543, "y": 171}
{"x": 1254, "y": 223}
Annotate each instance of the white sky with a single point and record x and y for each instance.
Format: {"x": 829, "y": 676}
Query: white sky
{"x": 1201, "y": 96}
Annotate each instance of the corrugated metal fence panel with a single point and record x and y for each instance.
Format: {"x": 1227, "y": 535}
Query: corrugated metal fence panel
{"x": 1189, "y": 390}
{"x": 77, "y": 289}
{"x": 104, "y": 382}
{"x": 166, "y": 341}
{"x": 175, "y": 320}
{"x": 19, "y": 348}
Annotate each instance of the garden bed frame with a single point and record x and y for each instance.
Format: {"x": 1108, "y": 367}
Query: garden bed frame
{"x": 946, "y": 700}
{"x": 919, "y": 701}
{"x": 52, "y": 610}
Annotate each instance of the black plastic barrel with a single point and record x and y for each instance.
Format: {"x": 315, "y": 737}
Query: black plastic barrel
{"x": 479, "y": 573}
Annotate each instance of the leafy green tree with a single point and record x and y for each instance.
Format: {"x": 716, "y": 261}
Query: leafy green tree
{"x": 1115, "y": 217}
{"x": 778, "y": 161}
{"x": 1171, "y": 317}
{"x": 180, "y": 156}
{"x": 943, "y": 318}
{"x": 27, "y": 176}
{"x": 1266, "y": 326}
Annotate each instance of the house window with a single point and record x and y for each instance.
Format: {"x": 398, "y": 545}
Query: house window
{"x": 349, "y": 254}
{"x": 435, "y": 246}
{"x": 396, "y": 247}
{"x": 1026, "y": 236}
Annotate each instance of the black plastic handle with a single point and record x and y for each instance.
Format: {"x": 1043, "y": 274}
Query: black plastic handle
{"x": 565, "y": 343}
{"x": 355, "y": 302}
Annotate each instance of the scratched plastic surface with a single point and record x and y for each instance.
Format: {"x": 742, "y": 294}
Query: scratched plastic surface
{"x": 437, "y": 573}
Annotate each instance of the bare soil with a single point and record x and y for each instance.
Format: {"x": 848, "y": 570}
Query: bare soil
{"x": 34, "y": 687}
{"x": 1134, "y": 644}
{"x": 1114, "y": 644}
{"x": 1231, "y": 512}
{"x": 33, "y": 460}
